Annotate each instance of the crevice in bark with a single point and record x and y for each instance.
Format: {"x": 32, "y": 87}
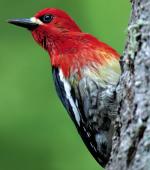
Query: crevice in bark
{"x": 134, "y": 145}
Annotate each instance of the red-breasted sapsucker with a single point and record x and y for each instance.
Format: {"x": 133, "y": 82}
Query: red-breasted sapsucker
{"x": 85, "y": 72}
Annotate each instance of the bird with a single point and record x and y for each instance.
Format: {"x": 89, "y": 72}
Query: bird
{"x": 85, "y": 71}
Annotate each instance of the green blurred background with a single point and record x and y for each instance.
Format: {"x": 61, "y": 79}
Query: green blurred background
{"x": 35, "y": 131}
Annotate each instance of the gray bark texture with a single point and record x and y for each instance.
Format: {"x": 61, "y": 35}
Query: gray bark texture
{"x": 131, "y": 143}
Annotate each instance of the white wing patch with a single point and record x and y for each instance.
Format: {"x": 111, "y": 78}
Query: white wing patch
{"x": 69, "y": 97}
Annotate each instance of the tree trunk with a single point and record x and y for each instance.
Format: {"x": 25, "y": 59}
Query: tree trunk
{"x": 131, "y": 144}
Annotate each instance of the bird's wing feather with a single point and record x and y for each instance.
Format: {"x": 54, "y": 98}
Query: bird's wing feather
{"x": 64, "y": 92}
{"x": 76, "y": 108}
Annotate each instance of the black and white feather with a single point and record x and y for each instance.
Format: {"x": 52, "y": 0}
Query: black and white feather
{"x": 92, "y": 108}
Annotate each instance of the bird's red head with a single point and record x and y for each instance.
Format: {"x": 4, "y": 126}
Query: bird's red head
{"x": 52, "y": 23}
{"x": 48, "y": 23}
{"x": 49, "y": 28}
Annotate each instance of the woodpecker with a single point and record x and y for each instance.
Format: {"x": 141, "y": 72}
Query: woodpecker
{"x": 85, "y": 72}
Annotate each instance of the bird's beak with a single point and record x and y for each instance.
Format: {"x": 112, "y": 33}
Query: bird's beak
{"x": 30, "y": 23}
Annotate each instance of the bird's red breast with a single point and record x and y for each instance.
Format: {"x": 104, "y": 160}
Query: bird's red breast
{"x": 78, "y": 50}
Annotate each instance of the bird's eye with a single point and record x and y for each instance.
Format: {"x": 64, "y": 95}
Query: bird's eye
{"x": 46, "y": 18}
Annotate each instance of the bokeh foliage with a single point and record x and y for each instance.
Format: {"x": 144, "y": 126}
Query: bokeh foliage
{"x": 35, "y": 131}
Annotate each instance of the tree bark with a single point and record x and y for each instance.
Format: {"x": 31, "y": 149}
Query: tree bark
{"x": 131, "y": 143}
